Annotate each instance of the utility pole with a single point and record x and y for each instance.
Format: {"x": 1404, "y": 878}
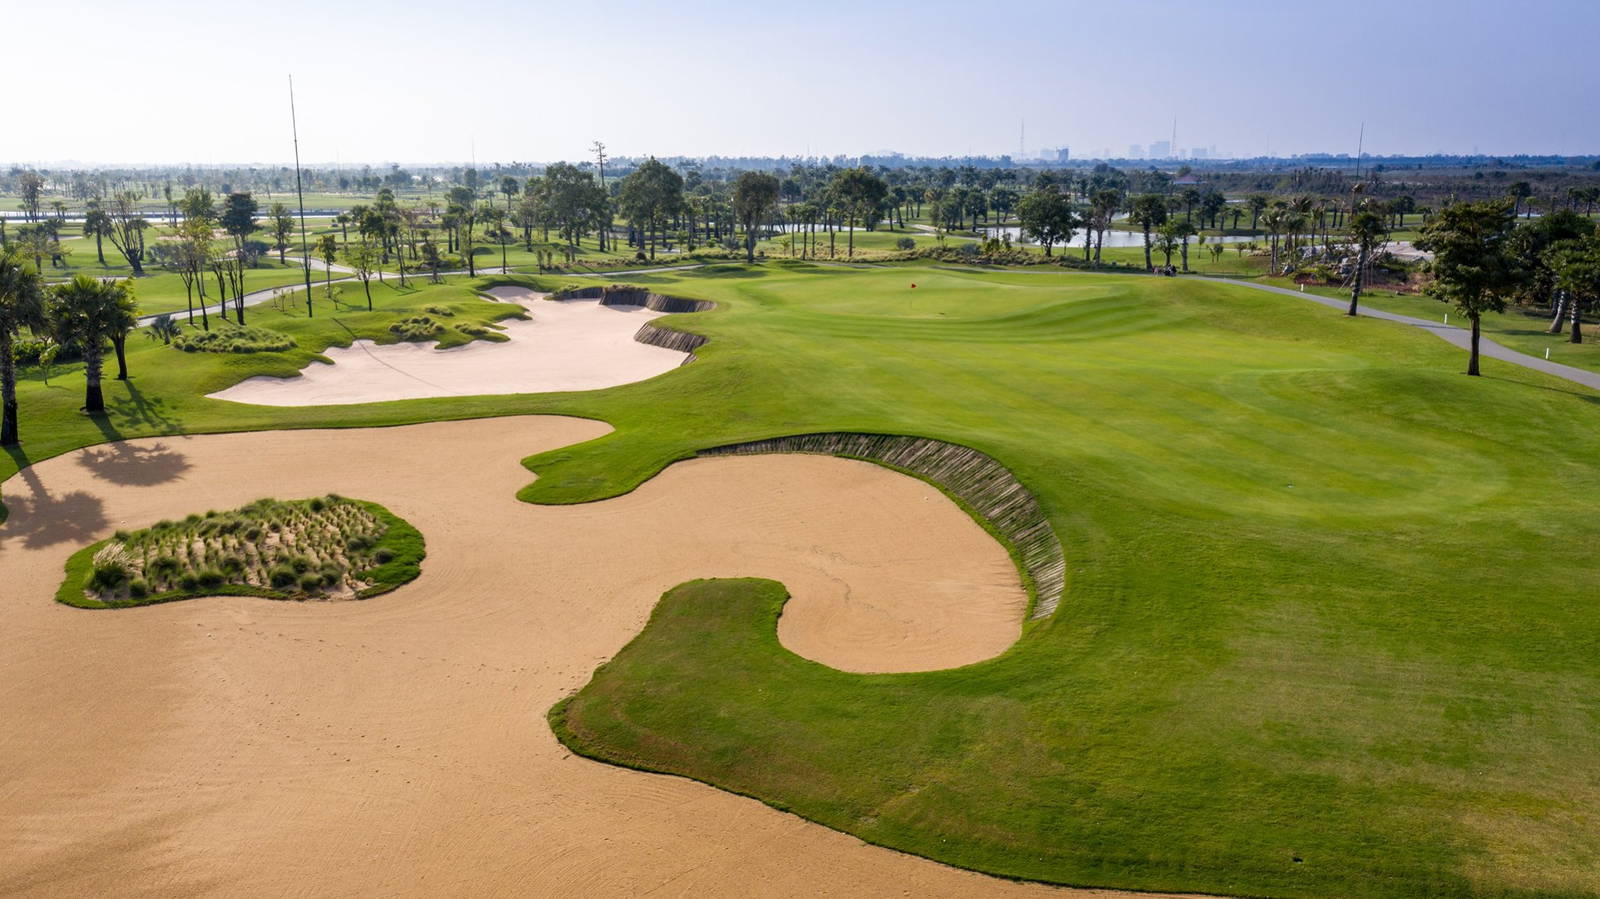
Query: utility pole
{"x": 1361, "y": 141}
{"x": 300, "y": 193}
{"x": 600, "y": 157}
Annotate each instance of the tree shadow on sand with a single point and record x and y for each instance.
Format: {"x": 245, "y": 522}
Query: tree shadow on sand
{"x": 136, "y": 466}
{"x": 39, "y": 518}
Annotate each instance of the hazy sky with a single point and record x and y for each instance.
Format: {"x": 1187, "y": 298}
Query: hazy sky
{"x": 182, "y": 81}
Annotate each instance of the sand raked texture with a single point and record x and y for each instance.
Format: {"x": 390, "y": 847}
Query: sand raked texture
{"x": 986, "y": 486}
{"x": 567, "y": 345}
{"x": 398, "y": 746}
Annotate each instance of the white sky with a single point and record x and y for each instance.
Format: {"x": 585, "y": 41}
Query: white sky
{"x": 182, "y": 81}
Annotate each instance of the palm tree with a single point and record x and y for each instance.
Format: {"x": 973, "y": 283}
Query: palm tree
{"x": 1148, "y": 211}
{"x": 21, "y": 306}
{"x": 97, "y": 223}
{"x": 1366, "y": 229}
{"x": 1274, "y": 219}
{"x": 328, "y": 249}
{"x": 88, "y": 313}
{"x": 1257, "y": 204}
{"x": 1519, "y": 191}
{"x": 1185, "y": 230}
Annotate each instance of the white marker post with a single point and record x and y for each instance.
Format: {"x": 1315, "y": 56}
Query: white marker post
{"x": 1447, "y": 318}
{"x": 1547, "y": 354}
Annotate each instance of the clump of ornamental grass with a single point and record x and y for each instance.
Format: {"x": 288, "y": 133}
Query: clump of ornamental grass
{"x": 325, "y": 547}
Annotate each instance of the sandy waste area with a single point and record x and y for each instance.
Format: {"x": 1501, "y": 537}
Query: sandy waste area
{"x": 398, "y": 746}
{"x": 566, "y": 345}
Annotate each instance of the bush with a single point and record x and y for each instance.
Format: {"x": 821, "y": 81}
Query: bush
{"x": 416, "y": 327}
{"x": 108, "y": 576}
{"x": 440, "y": 311}
{"x": 138, "y": 589}
{"x": 383, "y": 556}
{"x": 210, "y": 577}
{"x": 249, "y": 339}
{"x": 187, "y": 581}
{"x": 310, "y": 581}
{"x": 282, "y": 577}
{"x": 906, "y": 243}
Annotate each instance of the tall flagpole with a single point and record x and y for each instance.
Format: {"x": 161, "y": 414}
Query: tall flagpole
{"x": 305, "y": 249}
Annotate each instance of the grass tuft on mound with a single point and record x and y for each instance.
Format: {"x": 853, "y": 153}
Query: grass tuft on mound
{"x": 248, "y": 339}
{"x": 321, "y": 548}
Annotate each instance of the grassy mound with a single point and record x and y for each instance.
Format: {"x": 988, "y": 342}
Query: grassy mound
{"x": 321, "y": 548}
{"x": 248, "y": 339}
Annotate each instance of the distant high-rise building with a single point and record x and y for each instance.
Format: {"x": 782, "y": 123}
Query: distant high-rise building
{"x": 1063, "y": 154}
{"x": 1161, "y": 149}
{"x": 1199, "y": 153}
{"x": 1135, "y": 151}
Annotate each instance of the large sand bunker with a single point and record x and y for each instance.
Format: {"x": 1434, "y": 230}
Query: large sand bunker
{"x": 398, "y": 745}
{"x": 566, "y": 345}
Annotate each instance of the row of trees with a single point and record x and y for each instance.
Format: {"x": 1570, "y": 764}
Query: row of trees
{"x": 84, "y": 313}
{"x": 1484, "y": 260}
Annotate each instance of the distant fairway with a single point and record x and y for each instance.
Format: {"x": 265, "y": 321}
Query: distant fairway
{"x": 1328, "y": 628}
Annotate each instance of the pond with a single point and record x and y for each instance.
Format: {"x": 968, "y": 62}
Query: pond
{"x": 1117, "y": 238}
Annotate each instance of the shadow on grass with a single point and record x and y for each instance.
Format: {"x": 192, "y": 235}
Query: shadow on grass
{"x": 1586, "y": 396}
{"x": 138, "y": 413}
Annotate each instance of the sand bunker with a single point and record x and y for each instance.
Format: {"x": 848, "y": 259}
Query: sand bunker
{"x": 567, "y": 345}
{"x": 398, "y": 746}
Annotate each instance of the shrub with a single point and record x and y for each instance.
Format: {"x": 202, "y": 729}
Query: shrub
{"x": 383, "y": 556}
{"x": 906, "y": 243}
{"x": 108, "y": 576}
{"x": 187, "y": 581}
{"x": 310, "y": 581}
{"x": 440, "y": 311}
{"x": 249, "y": 339}
{"x": 138, "y": 589}
{"x": 210, "y": 577}
{"x": 282, "y": 576}
{"x": 416, "y": 327}
{"x": 163, "y": 566}
{"x": 27, "y": 350}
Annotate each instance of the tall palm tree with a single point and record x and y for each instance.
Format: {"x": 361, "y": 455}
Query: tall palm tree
{"x": 1366, "y": 230}
{"x": 89, "y": 313}
{"x": 21, "y": 306}
{"x": 125, "y": 319}
{"x": 1274, "y": 220}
